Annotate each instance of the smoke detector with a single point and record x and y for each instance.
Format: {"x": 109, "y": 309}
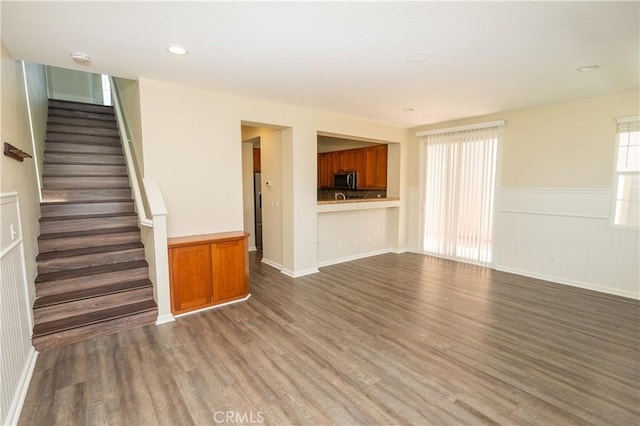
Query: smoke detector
{"x": 81, "y": 58}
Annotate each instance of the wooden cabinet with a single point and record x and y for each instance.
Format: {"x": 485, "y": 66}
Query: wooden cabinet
{"x": 206, "y": 270}
{"x": 370, "y": 163}
{"x": 256, "y": 160}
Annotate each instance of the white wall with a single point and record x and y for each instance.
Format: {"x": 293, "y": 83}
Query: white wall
{"x": 18, "y": 356}
{"x": 71, "y": 85}
{"x": 349, "y": 235}
{"x": 192, "y": 148}
{"x": 553, "y": 198}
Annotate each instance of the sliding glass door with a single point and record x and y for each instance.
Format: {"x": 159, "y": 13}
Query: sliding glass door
{"x": 459, "y": 192}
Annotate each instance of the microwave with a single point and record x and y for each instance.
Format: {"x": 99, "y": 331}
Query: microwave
{"x": 345, "y": 180}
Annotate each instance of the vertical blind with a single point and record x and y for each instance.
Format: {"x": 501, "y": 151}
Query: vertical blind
{"x": 459, "y": 191}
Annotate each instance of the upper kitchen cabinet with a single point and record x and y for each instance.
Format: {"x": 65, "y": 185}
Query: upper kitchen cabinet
{"x": 372, "y": 174}
{"x": 370, "y": 163}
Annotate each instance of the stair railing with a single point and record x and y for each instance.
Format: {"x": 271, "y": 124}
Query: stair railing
{"x": 152, "y": 216}
{"x": 137, "y": 186}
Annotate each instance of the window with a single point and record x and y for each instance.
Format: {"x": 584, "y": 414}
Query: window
{"x": 459, "y": 191}
{"x": 626, "y": 203}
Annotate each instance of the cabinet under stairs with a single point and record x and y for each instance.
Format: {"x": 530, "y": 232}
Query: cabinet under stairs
{"x": 92, "y": 275}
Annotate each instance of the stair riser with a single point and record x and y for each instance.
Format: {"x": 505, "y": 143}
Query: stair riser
{"x": 84, "y": 182}
{"x": 75, "y": 106}
{"x": 83, "y": 170}
{"x": 57, "y": 112}
{"x": 82, "y": 130}
{"x": 94, "y": 330}
{"x": 82, "y": 148}
{"x": 66, "y": 285}
{"x": 77, "y": 209}
{"x": 86, "y": 122}
{"x": 73, "y": 158}
{"x": 84, "y": 261}
{"x": 58, "y": 244}
{"x": 79, "y": 307}
{"x": 78, "y": 225}
{"x": 56, "y": 195}
{"x": 87, "y": 139}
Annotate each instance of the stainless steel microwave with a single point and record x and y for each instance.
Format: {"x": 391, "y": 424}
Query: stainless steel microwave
{"x": 345, "y": 180}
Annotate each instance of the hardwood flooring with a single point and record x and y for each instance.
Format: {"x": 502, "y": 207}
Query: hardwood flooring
{"x": 391, "y": 339}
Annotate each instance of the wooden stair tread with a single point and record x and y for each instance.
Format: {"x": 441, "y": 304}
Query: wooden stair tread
{"x": 71, "y": 113}
{"x": 86, "y": 216}
{"x": 54, "y": 137}
{"x": 84, "y": 251}
{"x": 57, "y": 299}
{"x": 88, "y": 233}
{"x": 92, "y": 318}
{"x": 92, "y": 270}
{"x": 80, "y": 106}
{"x": 67, "y": 203}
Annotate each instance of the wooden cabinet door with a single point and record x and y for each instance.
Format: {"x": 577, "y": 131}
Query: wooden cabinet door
{"x": 381, "y": 166}
{"x": 230, "y": 270}
{"x": 257, "y": 168}
{"x": 191, "y": 278}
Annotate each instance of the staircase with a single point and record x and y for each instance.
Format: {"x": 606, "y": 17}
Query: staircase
{"x": 92, "y": 277}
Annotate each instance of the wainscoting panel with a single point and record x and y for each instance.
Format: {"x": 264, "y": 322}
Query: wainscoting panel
{"x": 565, "y": 235}
{"x": 17, "y": 356}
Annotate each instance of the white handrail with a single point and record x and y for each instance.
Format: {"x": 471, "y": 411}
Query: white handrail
{"x": 143, "y": 219}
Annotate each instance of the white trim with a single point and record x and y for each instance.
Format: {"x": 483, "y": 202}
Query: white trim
{"x": 244, "y": 299}
{"x": 485, "y": 125}
{"x": 271, "y": 263}
{"x": 253, "y": 248}
{"x": 400, "y": 251}
{"x": 353, "y": 257}
{"x": 164, "y": 319}
{"x": 13, "y": 415}
{"x": 562, "y": 281}
{"x": 299, "y": 274}
{"x": 630, "y": 119}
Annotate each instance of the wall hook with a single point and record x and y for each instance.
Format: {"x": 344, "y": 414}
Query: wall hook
{"x": 15, "y": 153}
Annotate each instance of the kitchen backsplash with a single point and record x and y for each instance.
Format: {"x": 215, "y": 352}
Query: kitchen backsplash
{"x": 330, "y": 194}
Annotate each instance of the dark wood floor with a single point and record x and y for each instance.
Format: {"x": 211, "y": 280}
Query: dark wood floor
{"x": 392, "y": 339}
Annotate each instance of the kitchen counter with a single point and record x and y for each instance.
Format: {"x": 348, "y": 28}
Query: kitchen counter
{"x": 358, "y": 200}
{"x": 327, "y": 206}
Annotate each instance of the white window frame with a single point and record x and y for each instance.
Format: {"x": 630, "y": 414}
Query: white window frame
{"x": 616, "y": 174}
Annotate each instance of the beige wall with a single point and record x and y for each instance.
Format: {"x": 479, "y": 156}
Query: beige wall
{"x": 192, "y": 145}
{"x": 21, "y": 176}
{"x": 271, "y": 171}
{"x": 564, "y": 145}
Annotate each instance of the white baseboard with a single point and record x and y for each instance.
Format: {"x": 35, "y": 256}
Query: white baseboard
{"x": 400, "y": 251}
{"x": 163, "y": 319}
{"x": 299, "y": 274}
{"x": 215, "y": 306}
{"x": 13, "y": 415}
{"x": 353, "y": 257}
{"x": 253, "y": 248}
{"x": 572, "y": 283}
{"x": 271, "y": 263}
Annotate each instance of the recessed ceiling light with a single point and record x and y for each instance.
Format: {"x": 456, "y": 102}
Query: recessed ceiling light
{"x": 419, "y": 56}
{"x": 177, "y": 50}
{"x": 408, "y": 109}
{"x": 588, "y": 68}
{"x": 81, "y": 58}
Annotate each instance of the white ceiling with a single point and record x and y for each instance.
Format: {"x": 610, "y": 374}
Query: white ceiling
{"x": 349, "y": 57}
